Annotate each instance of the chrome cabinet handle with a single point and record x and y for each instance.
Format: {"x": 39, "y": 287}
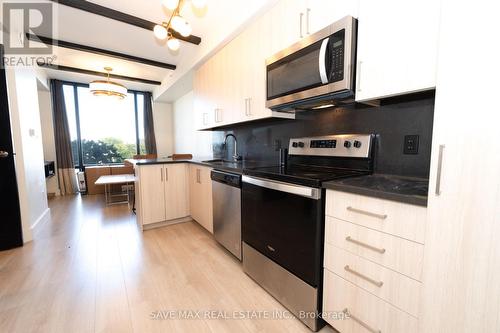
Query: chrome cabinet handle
{"x": 364, "y": 277}
{"x": 439, "y": 169}
{"x": 364, "y": 212}
{"x": 217, "y": 118}
{"x": 4, "y": 154}
{"x": 161, "y": 174}
{"x": 205, "y": 118}
{"x": 198, "y": 177}
{"x": 308, "y": 10}
{"x": 300, "y": 22}
{"x": 166, "y": 174}
{"x": 216, "y": 115}
{"x": 249, "y": 106}
{"x": 358, "y": 88}
{"x": 359, "y": 321}
{"x": 368, "y": 246}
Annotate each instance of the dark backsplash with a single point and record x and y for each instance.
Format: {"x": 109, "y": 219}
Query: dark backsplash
{"x": 395, "y": 118}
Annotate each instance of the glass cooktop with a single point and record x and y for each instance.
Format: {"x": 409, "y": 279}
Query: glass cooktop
{"x": 303, "y": 174}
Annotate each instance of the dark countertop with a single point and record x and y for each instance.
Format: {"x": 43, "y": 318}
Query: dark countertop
{"x": 236, "y": 167}
{"x": 397, "y": 188}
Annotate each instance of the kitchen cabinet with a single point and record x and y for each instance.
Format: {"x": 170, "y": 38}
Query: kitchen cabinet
{"x": 397, "y": 47}
{"x": 294, "y": 20}
{"x": 176, "y": 191}
{"x": 200, "y": 195}
{"x": 162, "y": 192}
{"x": 373, "y": 262}
{"x": 461, "y": 268}
{"x": 230, "y": 87}
{"x": 151, "y": 195}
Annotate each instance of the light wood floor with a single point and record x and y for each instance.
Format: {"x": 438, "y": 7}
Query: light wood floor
{"x": 91, "y": 270}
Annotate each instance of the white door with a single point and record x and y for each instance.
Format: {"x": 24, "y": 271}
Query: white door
{"x": 176, "y": 191}
{"x": 461, "y": 288}
{"x": 152, "y": 193}
{"x": 397, "y": 47}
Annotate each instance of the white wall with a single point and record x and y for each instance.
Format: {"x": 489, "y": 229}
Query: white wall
{"x": 48, "y": 142}
{"x": 186, "y": 138}
{"x": 27, "y": 139}
{"x": 162, "y": 117}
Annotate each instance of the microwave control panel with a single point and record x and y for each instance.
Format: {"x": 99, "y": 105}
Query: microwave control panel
{"x": 337, "y": 56}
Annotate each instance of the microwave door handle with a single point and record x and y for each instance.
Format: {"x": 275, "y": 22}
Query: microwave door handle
{"x": 322, "y": 61}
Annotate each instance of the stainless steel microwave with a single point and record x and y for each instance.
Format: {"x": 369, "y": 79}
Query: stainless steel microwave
{"x": 315, "y": 72}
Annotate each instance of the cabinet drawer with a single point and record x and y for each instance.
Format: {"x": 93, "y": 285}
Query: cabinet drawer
{"x": 392, "y": 252}
{"x": 395, "y": 288}
{"x": 368, "y": 313}
{"x": 403, "y": 220}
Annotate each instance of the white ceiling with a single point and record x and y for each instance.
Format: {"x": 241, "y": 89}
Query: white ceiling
{"x": 216, "y": 24}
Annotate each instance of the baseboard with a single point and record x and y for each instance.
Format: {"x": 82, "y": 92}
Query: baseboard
{"x": 165, "y": 223}
{"x": 41, "y": 219}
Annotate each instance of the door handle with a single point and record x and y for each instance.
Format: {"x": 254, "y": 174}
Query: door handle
{"x": 4, "y": 154}
{"x": 300, "y": 23}
{"x": 166, "y": 174}
{"x": 322, "y": 61}
{"x": 358, "y": 88}
{"x": 308, "y": 10}
{"x": 368, "y": 246}
{"x": 439, "y": 170}
{"x": 248, "y": 107}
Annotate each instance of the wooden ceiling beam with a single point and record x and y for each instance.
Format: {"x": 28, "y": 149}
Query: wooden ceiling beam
{"x": 95, "y": 50}
{"x": 116, "y": 15}
{"x": 95, "y": 73}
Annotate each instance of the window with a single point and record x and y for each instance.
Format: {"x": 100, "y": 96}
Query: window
{"x": 104, "y": 130}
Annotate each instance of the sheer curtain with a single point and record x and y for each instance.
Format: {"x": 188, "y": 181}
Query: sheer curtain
{"x": 149, "y": 128}
{"x": 65, "y": 166}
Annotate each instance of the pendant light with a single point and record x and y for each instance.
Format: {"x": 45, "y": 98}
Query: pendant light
{"x": 107, "y": 87}
{"x": 176, "y": 23}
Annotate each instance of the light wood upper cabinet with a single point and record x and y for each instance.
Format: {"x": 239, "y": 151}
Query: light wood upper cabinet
{"x": 200, "y": 194}
{"x": 162, "y": 192}
{"x": 320, "y": 13}
{"x": 397, "y": 47}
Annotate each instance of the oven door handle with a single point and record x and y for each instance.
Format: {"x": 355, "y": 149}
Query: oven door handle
{"x": 322, "y": 61}
{"x": 304, "y": 191}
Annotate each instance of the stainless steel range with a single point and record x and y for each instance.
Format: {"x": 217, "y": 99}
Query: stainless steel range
{"x": 283, "y": 217}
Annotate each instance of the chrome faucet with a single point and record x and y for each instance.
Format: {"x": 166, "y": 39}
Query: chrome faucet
{"x": 236, "y": 157}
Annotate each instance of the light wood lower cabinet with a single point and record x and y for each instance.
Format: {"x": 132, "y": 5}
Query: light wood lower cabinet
{"x": 373, "y": 263}
{"x": 395, "y": 218}
{"x": 391, "y": 252}
{"x": 366, "y": 312}
{"x": 200, "y": 195}
{"x": 162, "y": 192}
{"x": 395, "y": 288}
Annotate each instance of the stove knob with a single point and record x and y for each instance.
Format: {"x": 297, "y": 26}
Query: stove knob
{"x": 347, "y": 144}
{"x": 295, "y": 144}
{"x": 357, "y": 144}
{"x": 301, "y": 144}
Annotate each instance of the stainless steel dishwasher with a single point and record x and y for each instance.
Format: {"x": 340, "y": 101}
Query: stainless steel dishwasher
{"x": 226, "y": 198}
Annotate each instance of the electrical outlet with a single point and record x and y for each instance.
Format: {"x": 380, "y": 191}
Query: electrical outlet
{"x": 411, "y": 144}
